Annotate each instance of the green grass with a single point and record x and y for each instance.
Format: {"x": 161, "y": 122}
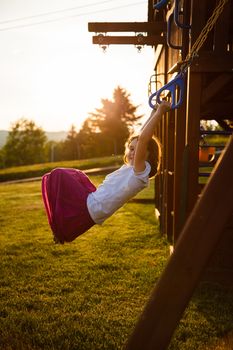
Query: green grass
{"x": 87, "y": 295}
{"x": 216, "y": 140}
{"x": 203, "y": 179}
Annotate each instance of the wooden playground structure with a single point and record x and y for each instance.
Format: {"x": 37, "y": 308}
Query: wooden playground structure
{"x": 193, "y": 48}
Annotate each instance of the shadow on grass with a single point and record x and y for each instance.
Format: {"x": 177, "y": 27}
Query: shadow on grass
{"x": 208, "y": 317}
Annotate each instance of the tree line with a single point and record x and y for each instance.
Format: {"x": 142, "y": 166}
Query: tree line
{"x": 103, "y": 133}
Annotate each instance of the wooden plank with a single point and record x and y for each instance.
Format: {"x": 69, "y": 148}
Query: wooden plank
{"x": 222, "y": 30}
{"x": 151, "y": 11}
{"x": 179, "y": 196}
{"x": 169, "y": 126}
{"x": 198, "y": 241}
{"x": 218, "y": 109}
{"x": 180, "y": 124}
{"x": 186, "y": 31}
{"x": 194, "y": 88}
{"x": 105, "y": 27}
{"x": 164, "y": 187}
{"x": 157, "y": 55}
{"x": 183, "y": 191}
{"x": 208, "y": 62}
{"x": 158, "y": 183}
{"x": 170, "y": 176}
{"x": 209, "y": 42}
{"x": 198, "y": 11}
{"x": 216, "y": 86}
{"x": 160, "y": 188}
{"x": 127, "y": 40}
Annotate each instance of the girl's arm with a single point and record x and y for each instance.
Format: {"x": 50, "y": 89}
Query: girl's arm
{"x": 146, "y": 135}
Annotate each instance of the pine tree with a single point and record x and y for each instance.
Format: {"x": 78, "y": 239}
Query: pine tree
{"x": 114, "y": 121}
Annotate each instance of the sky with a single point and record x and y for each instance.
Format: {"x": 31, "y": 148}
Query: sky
{"x": 51, "y": 73}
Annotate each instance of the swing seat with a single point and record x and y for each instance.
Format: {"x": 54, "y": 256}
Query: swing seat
{"x": 65, "y": 192}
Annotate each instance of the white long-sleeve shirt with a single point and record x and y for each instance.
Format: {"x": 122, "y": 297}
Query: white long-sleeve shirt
{"x": 117, "y": 188}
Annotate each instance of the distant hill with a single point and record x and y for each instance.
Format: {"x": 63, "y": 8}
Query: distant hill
{"x": 3, "y": 137}
{"x": 51, "y": 135}
{"x": 56, "y": 135}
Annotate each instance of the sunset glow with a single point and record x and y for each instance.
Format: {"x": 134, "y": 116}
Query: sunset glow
{"x": 53, "y": 74}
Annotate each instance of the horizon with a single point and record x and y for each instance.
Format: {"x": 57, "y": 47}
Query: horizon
{"x": 50, "y": 134}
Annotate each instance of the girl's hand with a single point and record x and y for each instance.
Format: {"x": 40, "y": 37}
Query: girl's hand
{"x": 164, "y": 107}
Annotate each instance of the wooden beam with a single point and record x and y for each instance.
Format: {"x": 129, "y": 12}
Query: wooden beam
{"x": 105, "y": 27}
{"x": 194, "y": 85}
{"x": 208, "y": 62}
{"x": 170, "y": 125}
{"x": 186, "y": 31}
{"x": 164, "y": 178}
{"x": 216, "y": 87}
{"x": 158, "y": 181}
{"x": 157, "y": 55}
{"x": 179, "y": 147}
{"x": 217, "y": 109}
{"x": 127, "y": 40}
{"x": 175, "y": 68}
{"x": 222, "y": 30}
{"x": 199, "y": 17}
{"x": 198, "y": 241}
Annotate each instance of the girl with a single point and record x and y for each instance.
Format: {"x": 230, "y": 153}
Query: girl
{"x": 72, "y": 202}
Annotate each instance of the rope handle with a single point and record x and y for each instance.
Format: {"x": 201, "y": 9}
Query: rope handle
{"x": 175, "y": 86}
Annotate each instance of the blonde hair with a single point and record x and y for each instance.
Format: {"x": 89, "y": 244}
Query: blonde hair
{"x": 154, "y": 154}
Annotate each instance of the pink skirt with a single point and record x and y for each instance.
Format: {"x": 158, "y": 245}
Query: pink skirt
{"x": 65, "y": 193}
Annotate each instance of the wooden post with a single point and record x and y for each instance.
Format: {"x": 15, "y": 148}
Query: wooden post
{"x": 170, "y": 176}
{"x": 194, "y": 92}
{"x": 180, "y": 121}
{"x": 180, "y": 128}
{"x": 197, "y": 242}
{"x": 157, "y": 182}
{"x": 164, "y": 179}
{"x": 221, "y": 37}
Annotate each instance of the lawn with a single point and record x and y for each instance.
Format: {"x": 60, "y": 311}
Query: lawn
{"x": 87, "y": 295}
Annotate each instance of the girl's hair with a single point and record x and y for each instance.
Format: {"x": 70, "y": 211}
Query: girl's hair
{"x": 154, "y": 154}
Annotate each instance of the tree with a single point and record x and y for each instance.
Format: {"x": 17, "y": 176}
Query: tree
{"x": 70, "y": 146}
{"x": 52, "y": 151}
{"x": 25, "y": 144}
{"x": 87, "y": 141}
{"x": 114, "y": 121}
{"x": 2, "y": 158}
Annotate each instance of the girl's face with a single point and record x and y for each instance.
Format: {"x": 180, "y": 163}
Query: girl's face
{"x": 130, "y": 151}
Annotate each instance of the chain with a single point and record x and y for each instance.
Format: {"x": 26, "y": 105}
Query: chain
{"x": 203, "y": 35}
